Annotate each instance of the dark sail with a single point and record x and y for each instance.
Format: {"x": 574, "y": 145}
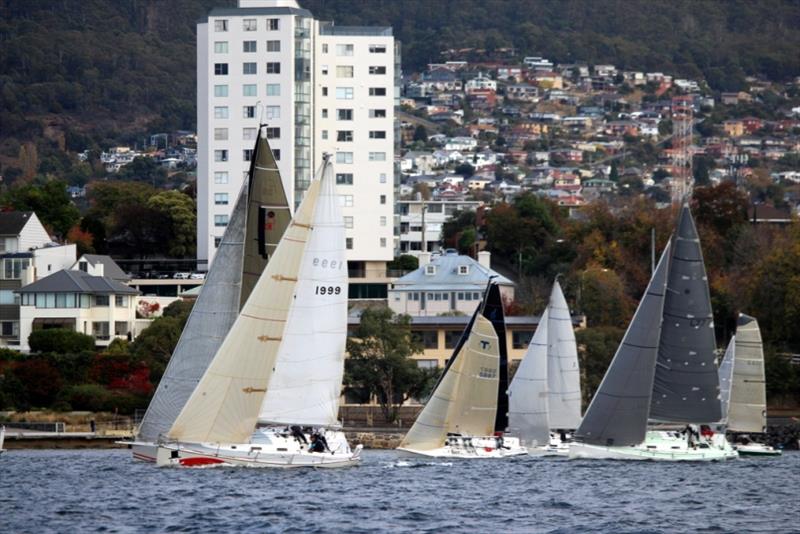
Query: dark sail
{"x": 686, "y": 384}
{"x": 493, "y": 310}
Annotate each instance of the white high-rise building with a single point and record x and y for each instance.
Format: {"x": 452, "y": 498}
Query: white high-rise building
{"x": 319, "y": 88}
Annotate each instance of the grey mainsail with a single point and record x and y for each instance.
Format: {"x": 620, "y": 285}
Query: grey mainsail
{"x": 619, "y": 410}
{"x": 747, "y": 410}
{"x": 241, "y": 256}
{"x": 686, "y": 384}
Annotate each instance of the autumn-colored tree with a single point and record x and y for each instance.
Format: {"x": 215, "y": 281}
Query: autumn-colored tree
{"x": 83, "y": 240}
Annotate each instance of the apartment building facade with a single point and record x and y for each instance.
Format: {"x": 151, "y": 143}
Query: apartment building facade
{"x": 318, "y": 88}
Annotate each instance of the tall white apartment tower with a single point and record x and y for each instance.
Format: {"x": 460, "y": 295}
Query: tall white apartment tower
{"x": 319, "y": 88}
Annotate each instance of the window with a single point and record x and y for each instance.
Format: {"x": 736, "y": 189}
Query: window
{"x": 249, "y": 134}
{"x": 250, "y": 68}
{"x": 220, "y": 134}
{"x": 220, "y": 25}
{"x": 383, "y": 178}
{"x": 377, "y": 70}
{"x": 324, "y": 70}
{"x": 428, "y": 338}
{"x": 273, "y": 89}
{"x": 520, "y": 339}
{"x": 220, "y": 220}
{"x": 324, "y": 113}
{"x": 277, "y": 154}
{"x": 377, "y": 156}
{"x": 249, "y": 46}
{"x": 273, "y": 67}
{"x": 273, "y": 24}
{"x": 344, "y": 49}
{"x": 383, "y": 199}
{"x": 10, "y": 329}
{"x": 221, "y": 199}
{"x": 220, "y": 155}
{"x": 383, "y": 220}
{"x": 377, "y": 114}
{"x": 383, "y": 242}
{"x": 220, "y": 177}
{"x": 344, "y": 93}
{"x": 273, "y": 133}
{"x": 273, "y": 112}
{"x": 249, "y": 112}
{"x": 220, "y": 90}
{"x": 120, "y": 328}
{"x": 221, "y": 69}
{"x": 217, "y": 241}
{"x": 348, "y": 243}
{"x": 100, "y": 330}
{"x": 348, "y": 222}
{"x": 6, "y": 296}
{"x": 273, "y": 46}
{"x": 221, "y": 112}
{"x": 324, "y": 134}
{"x": 324, "y": 91}
{"x": 325, "y": 49}
{"x": 463, "y": 269}
{"x": 344, "y": 136}
{"x": 221, "y": 47}
{"x": 346, "y": 201}
{"x": 249, "y": 25}
{"x": 344, "y": 71}
{"x": 377, "y": 91}
{"x": 344, "y": 178}
{"x": 344, "y": 157}
{"x": 377, "y": 134}
{"x": 247, "y": 154}
{"x": 430, "y": 270}
{"x": 344, "y": 114}
{"x": 451, "y": 337}
{"x": 99, "y": 300}
{"x": 377, "y": 49}
{"x": 249, "y": 90}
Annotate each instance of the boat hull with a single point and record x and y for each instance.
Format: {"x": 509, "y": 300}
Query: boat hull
{"x": 757, "y": 449}
{"x": 658, "y": 446}
{"x": 470, "y": 447}
{"x": 556, "y": 448}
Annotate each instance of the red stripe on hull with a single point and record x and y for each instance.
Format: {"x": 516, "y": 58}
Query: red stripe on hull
{"x": 198, "y": 462}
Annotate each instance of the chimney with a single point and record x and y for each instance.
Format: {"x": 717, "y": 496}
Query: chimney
{"x": 485, "y": 259}
{"x": 424, "y": 258}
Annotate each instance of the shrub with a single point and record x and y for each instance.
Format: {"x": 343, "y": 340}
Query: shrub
{"x": 59, "y": 340}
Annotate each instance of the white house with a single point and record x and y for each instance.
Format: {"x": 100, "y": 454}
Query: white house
{"x": 464, "y": 144}
{"x": 480, "y": 83}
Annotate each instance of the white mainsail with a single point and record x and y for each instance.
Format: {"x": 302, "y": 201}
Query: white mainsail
{"x": 225, "y": 405}
{"x": 725, "y": 376}
{"x": 465, "y": 400}
{"x": 747, "y": 410}
{"x": 306, "y": 385}
{"x": 527, "y": 395}
{"x": 563, "y": 375}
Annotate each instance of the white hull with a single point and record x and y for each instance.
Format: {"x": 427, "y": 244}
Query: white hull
{"x": 556, "y": 447}
{"x": 2, "y": 438}
{"x": 757, "y": 449}
{"x": 659, "y": 446}
{"x": 268, "y": 448}
{"x": 468, "y": 447}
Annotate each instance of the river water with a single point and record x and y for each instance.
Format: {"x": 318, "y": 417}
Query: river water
{"x": 105, "y": 491}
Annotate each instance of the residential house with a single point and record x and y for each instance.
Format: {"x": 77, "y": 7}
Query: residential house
{"x": 480, "y": 84}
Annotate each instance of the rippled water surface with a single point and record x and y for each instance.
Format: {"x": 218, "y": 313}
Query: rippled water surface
{"x": 105, "y": 491}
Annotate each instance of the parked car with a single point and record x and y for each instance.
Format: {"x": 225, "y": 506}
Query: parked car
{"x": 181, "y": 276}
{"x": 197, "y": 276}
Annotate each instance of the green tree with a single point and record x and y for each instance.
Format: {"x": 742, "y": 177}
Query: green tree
{"x": 49, "y": 200}
{"x": 59, "y": 341}
{"x": 154, "y": 346}
{"x": 181, "y": 211}
{"x": 597, "y": 347}
{"x": 603, "y": 298}
{"x": 379, "y": 360}
{"x": 420, "y": 133}
{"x": 404, "y": 262}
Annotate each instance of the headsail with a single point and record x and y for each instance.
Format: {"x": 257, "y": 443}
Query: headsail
{"x": 307, "y": 382}
{"x": 492, "y": 309}
{"x": 527, "y": 394}
{"x": 465, "y": 400}
{"x": 618, "y": 412}
{"x": 563, "y": 375}
{"x": 224, "y": 406}
{"x": 686, "y": 385}
{"x": 747, "y": 411}
{"x": 224, "y": 291}
{"x": 725, "y": 377}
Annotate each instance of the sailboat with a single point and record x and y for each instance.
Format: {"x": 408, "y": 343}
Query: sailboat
{"x": 545, "y": 395}
{"x": 743, "y": 389}
{"x": 2, "y": 438}
{"x": 466, "y": 415}
{"x": 282, "y": 361}
{"x": 259, "y": 219}
{"x": 664, "y": 370}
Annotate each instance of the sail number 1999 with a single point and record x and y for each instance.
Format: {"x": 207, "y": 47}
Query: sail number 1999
{"x": 327, "y": 290}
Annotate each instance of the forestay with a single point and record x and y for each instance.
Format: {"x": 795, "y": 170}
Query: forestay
{"x": 527, "y": 395}
{"x": 307, "y": 382}
{"x": 224, "y": 407}
{"x": 563, "y": 375}
{"x": 465, "y": 400}
{"x": 619, "y": 410}
{"x": 686, "y": 385}
{"x": 747, "y": 411}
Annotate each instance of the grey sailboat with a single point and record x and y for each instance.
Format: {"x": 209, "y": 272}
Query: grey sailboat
{"x": 259, "y": 219}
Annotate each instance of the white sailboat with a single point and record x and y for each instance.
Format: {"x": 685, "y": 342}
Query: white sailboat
{"x": 282, "y": 361}
{"x": 545, "y": 395}
{"x": 743, "y": 389}
{"x": 2, "y": 438}
{"x": 466, "y": 414}
{"x": 664, "y": 369}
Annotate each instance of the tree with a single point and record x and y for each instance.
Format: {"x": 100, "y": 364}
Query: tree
{"x": 379, "y": 360}
{"x": 49, "y": 200}
{"x": 60, "y": 341}
{"x": 154, "y": 346}
{"x": 404, "y": 262}
{"x": 420, "y": 133}
{"x": 597, "y": 347}
{"x": 181, "y": 211}
{"x": 603, "y": 299}
{"x": 464, "y": 169}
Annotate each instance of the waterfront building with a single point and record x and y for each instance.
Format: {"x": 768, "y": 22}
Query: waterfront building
{"x": 427, "y": 216}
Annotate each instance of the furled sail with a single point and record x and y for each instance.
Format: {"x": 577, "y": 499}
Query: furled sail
{"x": 225, "y": 405}
{"x": 686, "y": 385}
{"x": 492, "y": 309}
{"x": 527, "y": 394}
{"x": 563, "y": 375}
{"x": 306, "y": 385}
{"x": 619, "y": 410}
{"x": 226, "y": 287}
{"x": 725, "y": 377}
{"x": 747, "y": 411}
{"x": 465, "y": 400}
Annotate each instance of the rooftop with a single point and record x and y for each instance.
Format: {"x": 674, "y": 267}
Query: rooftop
{"x": 12, "y": 222}
{"x": 66, "y": 281}
{"x": 446, "y": 278}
